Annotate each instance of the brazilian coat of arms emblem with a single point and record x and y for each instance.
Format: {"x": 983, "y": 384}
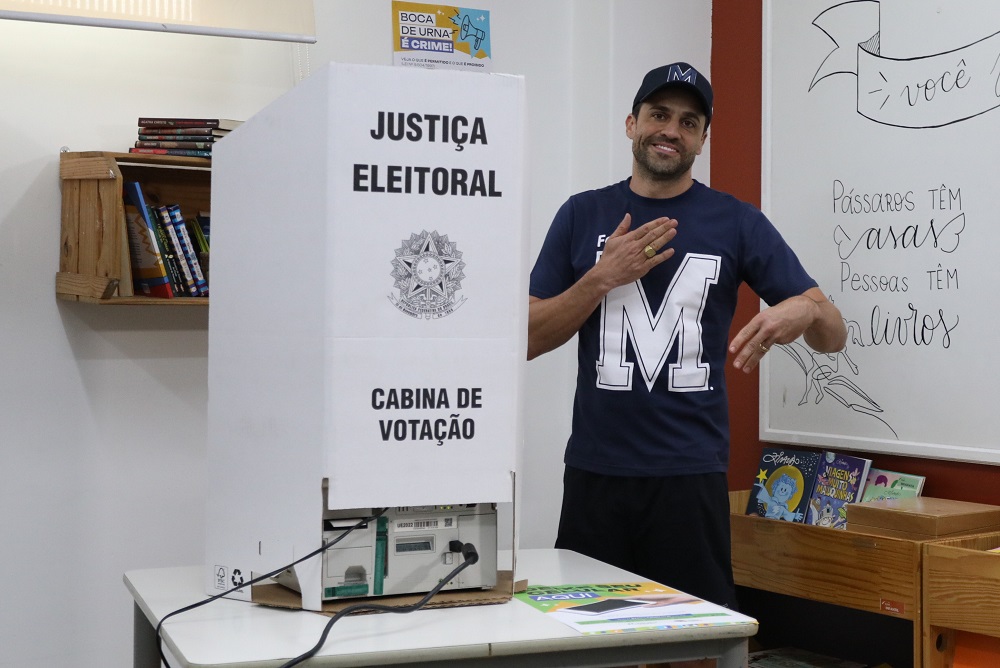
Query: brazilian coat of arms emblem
{"x": 428, "y": 273}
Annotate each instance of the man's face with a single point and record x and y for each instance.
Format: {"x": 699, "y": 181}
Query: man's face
{"x": 667, "y": 134}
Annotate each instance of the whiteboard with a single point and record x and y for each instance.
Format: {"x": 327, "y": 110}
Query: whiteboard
{"x": 881, "y": 167}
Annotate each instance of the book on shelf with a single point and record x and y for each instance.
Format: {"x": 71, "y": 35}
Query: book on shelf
{"x": 197, "y": 145}
{"x": 198, "y": 230}
{"x": 885, "y": 484}
{"x": 170, "y": 260}
{"x": 783, "y": 484}
{"x": 179, "y": 122}
{"x": 185, "y": 152}
{"x": 188, "y": 248}
{"x": 204, "y": 219}
{"x": 177, "y": 249}
{"x": 839, "y": 482}
{"x": 148, "y": 269}
{"x": 198, "y": 235}
{"x": 196, "y": 131}
{"x": 204, "y": 139}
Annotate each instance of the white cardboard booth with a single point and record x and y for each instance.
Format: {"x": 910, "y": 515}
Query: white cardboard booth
{"x": 367, "y": 334}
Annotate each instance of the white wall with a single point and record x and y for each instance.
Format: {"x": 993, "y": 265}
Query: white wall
{"x": 102, "y": 409}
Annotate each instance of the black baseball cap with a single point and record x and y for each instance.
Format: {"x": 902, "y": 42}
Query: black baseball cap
{"x": 676, "y": 74}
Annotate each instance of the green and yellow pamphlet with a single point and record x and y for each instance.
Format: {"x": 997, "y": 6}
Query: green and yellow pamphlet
{"x": 626, "y": 607}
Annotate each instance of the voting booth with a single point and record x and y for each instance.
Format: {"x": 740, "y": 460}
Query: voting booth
{"x": 367, "y": 336}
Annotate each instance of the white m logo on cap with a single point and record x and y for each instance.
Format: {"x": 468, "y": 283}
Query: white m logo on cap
{"x": 675, "y": 73}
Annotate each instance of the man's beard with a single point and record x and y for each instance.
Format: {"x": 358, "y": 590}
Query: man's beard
{"x": 661, "y": 170}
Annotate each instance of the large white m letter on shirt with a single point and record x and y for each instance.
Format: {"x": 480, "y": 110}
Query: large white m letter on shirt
{"x": 625, "y": 313}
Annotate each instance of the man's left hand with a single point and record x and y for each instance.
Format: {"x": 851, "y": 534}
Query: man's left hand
{"x": 783, "y": 323}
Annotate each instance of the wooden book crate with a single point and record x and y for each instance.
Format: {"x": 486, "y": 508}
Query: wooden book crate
{"x": 864, "y": 572}
{"x": 961, "y": 592}
{"x": 94, "y": 257}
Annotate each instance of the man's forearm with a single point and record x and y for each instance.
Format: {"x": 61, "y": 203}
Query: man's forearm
{"x": 552, "y": 322}
{"x": 827, "y": 334}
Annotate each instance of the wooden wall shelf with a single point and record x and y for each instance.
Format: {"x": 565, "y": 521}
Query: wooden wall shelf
{"x": 93, "y": 256}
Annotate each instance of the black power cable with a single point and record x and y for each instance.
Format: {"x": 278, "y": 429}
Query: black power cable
{"x": 266, "y": 576}
{"x": 470, "y": 556}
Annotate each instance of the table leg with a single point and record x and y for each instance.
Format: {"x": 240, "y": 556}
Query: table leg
{"x": 734, "y": 655}
{"x": 144, "y": 650}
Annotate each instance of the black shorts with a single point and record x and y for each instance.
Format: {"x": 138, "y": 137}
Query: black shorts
{"x": 673, "y": 530}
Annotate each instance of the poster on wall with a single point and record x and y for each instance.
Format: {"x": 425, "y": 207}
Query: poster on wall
{"x": 441, "y": 37}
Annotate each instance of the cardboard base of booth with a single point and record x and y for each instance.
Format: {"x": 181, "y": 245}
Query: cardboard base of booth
{"x": 279, "y": 596}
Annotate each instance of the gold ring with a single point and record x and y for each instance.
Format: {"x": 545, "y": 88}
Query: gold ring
{"x": 763, "y": 348}
{"x": 649, "y": 251}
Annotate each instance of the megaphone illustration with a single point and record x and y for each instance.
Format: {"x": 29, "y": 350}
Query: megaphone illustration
{"x": 469, "y": 29}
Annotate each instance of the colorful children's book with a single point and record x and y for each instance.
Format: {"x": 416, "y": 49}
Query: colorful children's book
{"x": 884, "y": 484}
{"x": 784, "y": 484}
{"x": 148, "y": 270}
{"x": 839, "y": 481}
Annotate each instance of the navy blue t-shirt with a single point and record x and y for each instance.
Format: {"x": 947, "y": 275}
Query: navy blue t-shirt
{"x": 651, "y": 389}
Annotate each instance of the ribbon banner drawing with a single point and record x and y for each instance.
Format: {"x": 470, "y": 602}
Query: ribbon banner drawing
{"x": 923, "y": 92}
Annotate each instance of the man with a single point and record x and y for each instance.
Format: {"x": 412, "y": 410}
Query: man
{"x": 647, "y": 272}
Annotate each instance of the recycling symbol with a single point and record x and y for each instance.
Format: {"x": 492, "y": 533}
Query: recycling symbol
{"x": 237, "y": 574}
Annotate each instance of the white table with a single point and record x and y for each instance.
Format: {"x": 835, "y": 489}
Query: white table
{"x": 237, "y": 634}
